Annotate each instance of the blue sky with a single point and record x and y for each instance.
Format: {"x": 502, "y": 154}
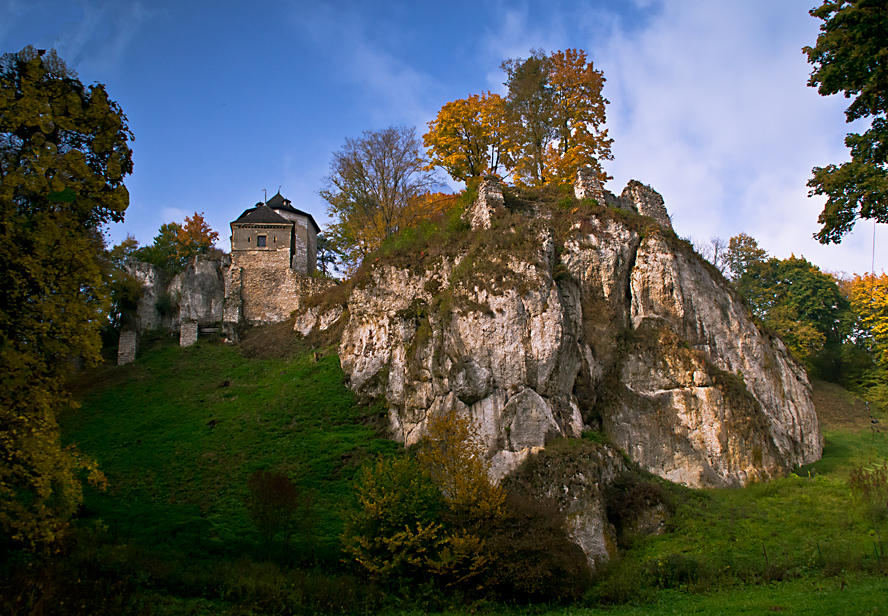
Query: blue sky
{"x": 708, "y": 98}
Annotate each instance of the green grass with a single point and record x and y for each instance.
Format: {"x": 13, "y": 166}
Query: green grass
{"x": 179, "y": 432}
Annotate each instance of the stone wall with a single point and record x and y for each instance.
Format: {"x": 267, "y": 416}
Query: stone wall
{"x": 127, "y": 347}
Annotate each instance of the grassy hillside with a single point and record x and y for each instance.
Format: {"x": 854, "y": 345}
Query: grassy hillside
{"x": 179, "y": 432}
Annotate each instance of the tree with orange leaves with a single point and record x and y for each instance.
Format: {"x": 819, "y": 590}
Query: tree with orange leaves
{"x": 471, "y": 137}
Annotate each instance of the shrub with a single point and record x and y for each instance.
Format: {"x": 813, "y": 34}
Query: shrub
{"x": 272, "y": 505}
{"x": 394, "y": 529}
{"x": 534, "y": 559}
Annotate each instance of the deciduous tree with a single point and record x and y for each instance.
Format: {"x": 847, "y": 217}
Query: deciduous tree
{"x": 375, "y": 189}
{"x": 743, "y": 251}
{"x": 851, "y": 56}
{"x": 63, "y": 155}
{"x": 175, "y": 245}
{"x": 471, "y": 137}
{"x": 558, "y": 116}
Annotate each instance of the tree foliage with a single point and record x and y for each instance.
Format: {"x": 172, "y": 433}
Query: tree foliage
{"x": 550, "y": 125}
{"x": 471, "y": 137}
{"x": 376, "y": 188}
{"x": 742, "y": 253}
{"x": 803, "y": 304}
{"x": 869, "y": 299}
{"x": 452, "y": 452}
{"x": 274, "y": 505}
{"x": 851, "y": 56}
{"x": 176, "y": 245}
{"x": 63, "y": 155}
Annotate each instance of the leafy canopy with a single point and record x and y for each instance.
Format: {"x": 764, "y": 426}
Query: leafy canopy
{"x": 550, "y": 125}
{"x": 63, "y": 155}
{"x": 175, "y": 245}
{"x": 378, "y": 185}
{"x": 851, "y": 56}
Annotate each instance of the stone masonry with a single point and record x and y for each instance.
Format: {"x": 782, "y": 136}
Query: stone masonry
{"x": 127, "y": 347}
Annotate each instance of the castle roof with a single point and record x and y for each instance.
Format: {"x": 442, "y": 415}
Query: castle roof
{"x": 262, "y": 214}
{"x": 276, "y": 204}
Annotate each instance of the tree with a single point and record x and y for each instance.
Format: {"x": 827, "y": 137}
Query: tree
{"x": 470, "y": 137}
{"x": 453, "y": 455}
{"x": 394, "y": 531}
{"x": 803, "y": 304}
{"x": 375, "y": 190}
{"x": 578, "y": 117}
{"x": 743, "y": 251}
{"x": 851, "y": 56}
{"x": 63, "y": 155}
{"x": 176, "y": 245}
{"x": 869, "y": 300}
{"x": 558, "y": 116}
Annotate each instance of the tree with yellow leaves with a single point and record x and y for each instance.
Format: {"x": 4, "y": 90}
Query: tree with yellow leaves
{"x": 578, "y": 115}
{"x": 63, "y": 155}
{"x": 471, "y": 137}
{"x": 550, "y": 125}
{"x": 869, "y": 300}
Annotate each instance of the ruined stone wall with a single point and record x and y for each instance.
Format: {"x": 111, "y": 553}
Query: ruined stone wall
{"x": 127, "y": 347}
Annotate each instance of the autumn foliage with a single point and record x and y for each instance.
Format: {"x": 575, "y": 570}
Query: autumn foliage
{"x": 550, "y": 125}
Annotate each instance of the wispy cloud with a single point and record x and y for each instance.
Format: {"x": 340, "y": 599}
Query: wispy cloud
{"x": 395, "y": 91}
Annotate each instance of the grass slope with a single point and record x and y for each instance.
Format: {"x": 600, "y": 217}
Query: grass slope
{"x": 179, "y": 432}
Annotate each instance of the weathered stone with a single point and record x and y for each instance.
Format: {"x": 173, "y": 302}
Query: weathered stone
{"x": 588, "y": 186}
{"x": 482, "y": 211}
{"x": 575, "y": 478}
{"x": 638, "y": 339}
{"x": 646, "y": 201}
{"x": 127, "y": 346}
{"x": 187, "y": 333}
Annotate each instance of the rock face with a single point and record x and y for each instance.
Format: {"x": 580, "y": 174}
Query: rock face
{"x": 562, "y": 324}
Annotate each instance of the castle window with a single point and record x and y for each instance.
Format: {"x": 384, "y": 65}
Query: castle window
{"x": 260, "y": 241}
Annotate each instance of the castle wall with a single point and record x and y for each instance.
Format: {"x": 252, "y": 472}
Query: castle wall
{"x": 244, "y": 238}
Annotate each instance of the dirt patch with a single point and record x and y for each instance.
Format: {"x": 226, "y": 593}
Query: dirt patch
{"x": 275, "y": 341}
{"x": 839, "y": 409}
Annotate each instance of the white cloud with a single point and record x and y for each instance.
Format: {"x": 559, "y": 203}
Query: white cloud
{"x": 709, "y": 105}
{"x": 394, "y": 90}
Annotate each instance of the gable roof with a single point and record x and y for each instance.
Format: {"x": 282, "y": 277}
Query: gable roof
{"x": 279, "y": 202}
{"x": 262, "y": 214}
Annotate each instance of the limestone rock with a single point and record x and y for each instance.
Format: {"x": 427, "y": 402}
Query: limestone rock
{"x": 482, "y": 211}
{"x": 631, "y": 335}
{"x": 575, "y": 478}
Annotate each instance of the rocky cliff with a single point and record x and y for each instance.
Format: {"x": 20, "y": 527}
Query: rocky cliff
{"x": 551, "y": 318}
{"x": 554, "y": 315}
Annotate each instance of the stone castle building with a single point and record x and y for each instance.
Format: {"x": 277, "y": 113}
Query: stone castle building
{"x": 267, "y": 277}
{"x": 275, "y": 234}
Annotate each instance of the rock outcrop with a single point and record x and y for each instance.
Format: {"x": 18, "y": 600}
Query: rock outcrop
{"x": 599, "y": 325}
{"x": 561, "y": 319}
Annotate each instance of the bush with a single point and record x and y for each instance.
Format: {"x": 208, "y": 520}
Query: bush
{"x": 272, "y": 505}
{"x": 394, "y": 530}
{"x": 534, "y": 560}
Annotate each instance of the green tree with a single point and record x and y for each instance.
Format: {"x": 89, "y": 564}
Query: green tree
{"x": 851, "y": 56}
{"x": 394, "y": 531}
{"x": 176, "y": 245}
{"x": 803, "y": 304}
{"x": 743, "y": 251}
{"x": 63, "y": 155}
